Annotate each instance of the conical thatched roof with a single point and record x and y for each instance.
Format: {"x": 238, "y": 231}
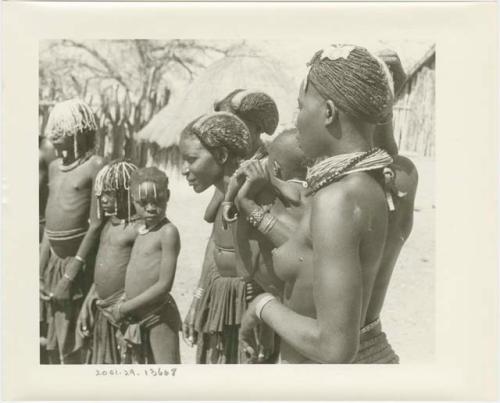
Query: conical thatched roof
{"x": 243, "y": 68}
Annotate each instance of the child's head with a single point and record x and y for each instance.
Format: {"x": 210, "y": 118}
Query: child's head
{"x": 71, "y": 128}
{"x": 286, "y": 160}
{"x": 150, "y": 193}
{"x": 112, "y": 189}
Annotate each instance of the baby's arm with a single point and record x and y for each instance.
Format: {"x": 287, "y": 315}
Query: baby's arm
{"x": 170, "y": 247}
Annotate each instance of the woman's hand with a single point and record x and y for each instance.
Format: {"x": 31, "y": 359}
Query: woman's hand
{"x": 189, "y": 334}
{"x": 265, "y": 343}
{"x": 249, "y": 337}
{"x": 256, "y": 176}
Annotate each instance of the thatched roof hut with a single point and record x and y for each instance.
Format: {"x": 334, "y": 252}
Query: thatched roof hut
{"x": 242, "y": 68}
{"x": 414, "y": 112}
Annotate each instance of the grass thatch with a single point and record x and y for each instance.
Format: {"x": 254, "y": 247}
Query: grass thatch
{"x": 244, "y": 69}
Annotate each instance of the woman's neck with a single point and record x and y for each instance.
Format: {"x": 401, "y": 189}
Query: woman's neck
{"x": 221, "y": 184}
{"x": 353, "y": 137}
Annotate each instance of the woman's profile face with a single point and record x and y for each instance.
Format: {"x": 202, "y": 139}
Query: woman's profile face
{"x": 311, "y": 122}
{"x": 199, "y": 167}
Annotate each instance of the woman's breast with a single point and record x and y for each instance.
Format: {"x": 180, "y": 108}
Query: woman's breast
{"x": 224, "y": 252}
{"x": 225, "y": 261}
{"x": 291, "y": 258}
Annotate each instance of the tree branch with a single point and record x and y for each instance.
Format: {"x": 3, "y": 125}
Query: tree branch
{"x": 101, "y": 59}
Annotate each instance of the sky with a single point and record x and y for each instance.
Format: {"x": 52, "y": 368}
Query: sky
{"x": 295, "y": 54}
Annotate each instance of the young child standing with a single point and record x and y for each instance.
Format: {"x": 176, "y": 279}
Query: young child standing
{"x": 112, "y": 190}
{"x": 71, "y": 229}
{"x": 152, "y": 334}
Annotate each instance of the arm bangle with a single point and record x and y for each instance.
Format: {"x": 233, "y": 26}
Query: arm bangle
{"x": 262, "y": 303}
{"x": 267, "y": 223}
{"x": 67, "y": 277}
{"x": 80, "y": 259}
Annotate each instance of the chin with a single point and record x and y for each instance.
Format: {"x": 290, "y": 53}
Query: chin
{"x": 199, "y": 188}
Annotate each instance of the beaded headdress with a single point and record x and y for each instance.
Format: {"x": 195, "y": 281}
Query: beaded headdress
{"x": 72, "y": 118}
{"x": 149, "y": 183}
{"x": 115, "y": 177}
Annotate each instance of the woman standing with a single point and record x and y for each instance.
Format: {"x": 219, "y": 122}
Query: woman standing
{"x": 212, "y": 147}
{"x": 335, "y": 282}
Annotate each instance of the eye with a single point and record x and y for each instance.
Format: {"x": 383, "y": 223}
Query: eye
{"x": 190, "y": 159}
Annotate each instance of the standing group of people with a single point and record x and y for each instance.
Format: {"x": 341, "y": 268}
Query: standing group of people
{"x": 306, "y": 230}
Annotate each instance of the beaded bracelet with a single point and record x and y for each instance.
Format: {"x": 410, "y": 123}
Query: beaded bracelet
{"x": 256, "y": 216}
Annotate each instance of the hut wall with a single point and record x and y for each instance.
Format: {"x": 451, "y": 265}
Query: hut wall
{"x": 414, "y": 113}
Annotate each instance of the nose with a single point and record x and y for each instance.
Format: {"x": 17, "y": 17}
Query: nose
{"x": 150, "y": 207}
{"x": 185, "y": 168}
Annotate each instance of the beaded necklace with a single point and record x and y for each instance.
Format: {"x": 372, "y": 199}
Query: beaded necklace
{"x": 143, "y": 230}
{"x": 331, "y": 169}
{"x": 76, "y": 163}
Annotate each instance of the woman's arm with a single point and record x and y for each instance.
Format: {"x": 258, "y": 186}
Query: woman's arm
{"x": 170, "y": 247}
{"x": 332, "y": 337}
{"x": 256, "y": 176}
{"x": 280, "y": 231}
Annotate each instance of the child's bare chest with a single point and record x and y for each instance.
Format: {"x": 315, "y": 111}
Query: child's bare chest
{"x": 68, "y": 185}
{"x": 147, "y": 245}
{"x": 118, "y": 236}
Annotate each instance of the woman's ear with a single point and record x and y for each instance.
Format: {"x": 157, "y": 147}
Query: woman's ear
{"x": 221, "y": 155}
{"x": 331, "y": 112}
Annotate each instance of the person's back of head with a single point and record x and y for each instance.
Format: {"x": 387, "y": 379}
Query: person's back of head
{"x": 286, "y": 158}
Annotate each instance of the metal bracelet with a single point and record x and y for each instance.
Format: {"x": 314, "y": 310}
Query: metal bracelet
{"x": 80, "y": 259}
{"x": 267, "y": 223}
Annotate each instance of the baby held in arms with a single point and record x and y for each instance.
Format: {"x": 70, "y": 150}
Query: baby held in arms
{"x": 150, "y": 313}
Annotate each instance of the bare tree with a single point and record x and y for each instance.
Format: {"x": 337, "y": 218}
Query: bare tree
{"x": 126, "y": 82}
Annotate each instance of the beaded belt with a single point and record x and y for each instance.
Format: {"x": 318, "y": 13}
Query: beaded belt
{"x": 66, "y": 235}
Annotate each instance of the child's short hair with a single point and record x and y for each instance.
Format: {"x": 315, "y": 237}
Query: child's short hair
{"x": 159, "y": 180}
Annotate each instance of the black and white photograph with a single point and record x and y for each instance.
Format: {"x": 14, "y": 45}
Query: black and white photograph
{"x": 236, "y": 201}
{"x": 228, "y": 189}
